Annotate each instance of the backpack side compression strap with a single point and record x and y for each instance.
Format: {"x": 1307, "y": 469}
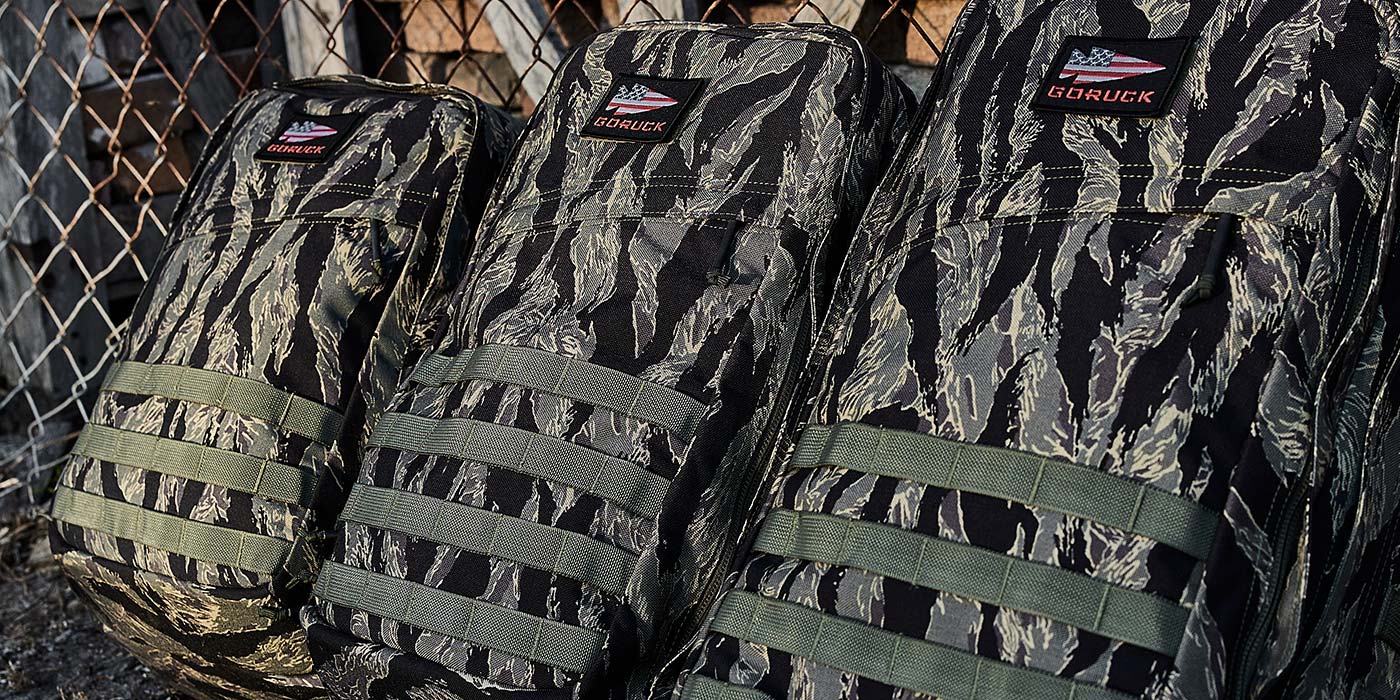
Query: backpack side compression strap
{"x": 620, "y": 481}
{"x": 210, "y": 465}
{"x": 473, "y": 621}
{"x": 1110, "y": 500}
{"x": 705, "y": 688}
{"x": 249, "y": 397}
{"x": 188, "y": 538}
{"x": 570, "y": 378}
{"x": 888, "y": 657}
{"x": 1071, "y": 598}
{"x": 494, "y": 535}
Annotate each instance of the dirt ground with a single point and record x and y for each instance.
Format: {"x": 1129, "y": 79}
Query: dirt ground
{"x": 51, "y": 646}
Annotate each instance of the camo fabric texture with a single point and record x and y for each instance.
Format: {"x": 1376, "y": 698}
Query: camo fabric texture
{"x": 194, "y": 517}
{"x": 563, "y": 470}
{"x": 1037, "y": 463}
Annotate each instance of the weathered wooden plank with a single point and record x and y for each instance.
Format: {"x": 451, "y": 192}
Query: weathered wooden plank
{"x": 273, "y": 43}
{"x": 88, "y": 9}
{"x": 533, "y": 47}
{"x": 321, "y": 38}
{"x": 647, "y": 10}
{"x": 178, "y": 27}
{"x": 843, "y": 13}
{"x": 45, "y": 207}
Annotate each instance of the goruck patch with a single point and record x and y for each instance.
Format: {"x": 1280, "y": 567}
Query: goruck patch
{"x": 309, "y": 138}
{"x": 1113, "y": 77}
{"x": 642, "y": 108}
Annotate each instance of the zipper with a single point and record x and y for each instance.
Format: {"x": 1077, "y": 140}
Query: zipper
{"x": 725, "y": 271}
{"x": 1256, "y": 638}
{"x": 1214, "y": 268}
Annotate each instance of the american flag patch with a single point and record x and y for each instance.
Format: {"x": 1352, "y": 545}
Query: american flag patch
{"x": 637, "y": 99}
{"x": 1102, "y": 65}
{"x": 305, "y": 131}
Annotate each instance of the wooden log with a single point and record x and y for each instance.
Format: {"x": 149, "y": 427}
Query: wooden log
{"x": 533, "y": 47}
{"x": 936, "y": 19}
{"x": 117, "y": 42}
{"x": 50, "y": 324}
{"x": 646, "y": 10}
{"x": 486, "y": 75}
{"x": 842, "y": 13}
{"x": 148, "y": 169}
{"x": 447, "y": 26}
{"x": 321, "y": 38}
{"x": 154, "y": 112}
{"x": 273, "y": 44}
{"x": 88, "y": 9}
{"x": 178, "y": 28}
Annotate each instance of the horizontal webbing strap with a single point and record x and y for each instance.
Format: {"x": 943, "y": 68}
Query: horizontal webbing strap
{"x": 618, "y": 480}
{"x": 210, "y": 465}
{"x": 888, "y": 657}
{"x": 497, "y": 535}
{"x": 1389, "y": 630}
{"x": 1135, "y": 617}
{"x": 707, "y": 688}
{"x": 249, "y": 397}
{"x": 563, "y": 376}
{"x": 473, "y": 621}
{"x": 188, "y": 538}
{"x": 1087, "y": 493}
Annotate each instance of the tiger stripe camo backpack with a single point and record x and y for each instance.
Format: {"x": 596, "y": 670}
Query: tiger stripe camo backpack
{"x": 545, "y": 498}
{"x": 311, "y": 257}
{"x": 1108, "y": 409}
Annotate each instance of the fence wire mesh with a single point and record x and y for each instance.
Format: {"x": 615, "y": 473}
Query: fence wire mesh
{"x": 105, "y": 104}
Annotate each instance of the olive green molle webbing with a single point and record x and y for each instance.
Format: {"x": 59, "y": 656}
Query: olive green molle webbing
{"x": 495, "y": 535}
{"x": 473, "y": 621}
{"x": 1131, "y": 616}
{"x": 249, "y": 397}
{"x": 1107, "y": 499}
{"x": 562, "y": 376}
{"x": 888, "y": 657}
{"x": 618, "y": 480}
{"x": 188, "y": 538}
{"x": 232, "y": 470}
{"x": 706, "y": 688}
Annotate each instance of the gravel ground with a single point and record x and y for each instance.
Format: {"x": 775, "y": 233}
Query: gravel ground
{"x": 51, "y": 645}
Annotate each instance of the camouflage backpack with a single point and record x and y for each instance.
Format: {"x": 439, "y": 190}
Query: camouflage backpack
{"x": 320, "y": 237}
{"x": 1109, "y": 408}
{"x": 552, "y": 486}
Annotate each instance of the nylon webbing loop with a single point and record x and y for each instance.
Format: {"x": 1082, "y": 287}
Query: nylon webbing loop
{"x": 617, "y": 480}
{"x": 210, "y": 465}
{"x": 1135, "y": 617}
{"x": 563, "y": 376}
{"x": 1389, "y": 630}
{"x": 200, "y": 541}
{"x": 1087, "y": 493}
{"x": 249, "y": 397}
{"x": 474, "y": 621}
{"x": 888, "y": 657}
{"x": 497, "y": 535}
{"x": 707, "y": 688}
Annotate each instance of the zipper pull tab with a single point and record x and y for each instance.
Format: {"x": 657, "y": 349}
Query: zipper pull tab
{"x": 724, "y": 272}
{"x": 1214, "y": 268}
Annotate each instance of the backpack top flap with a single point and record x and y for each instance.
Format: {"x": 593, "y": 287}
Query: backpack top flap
{"x": 1077, "y": 395}
{"x": 648, "y": 271}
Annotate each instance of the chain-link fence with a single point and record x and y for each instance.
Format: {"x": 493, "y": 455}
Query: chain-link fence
{"x": 105, "y": 104}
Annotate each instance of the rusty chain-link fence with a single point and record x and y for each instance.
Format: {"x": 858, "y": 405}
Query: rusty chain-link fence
{"x": 105, "y": 104}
